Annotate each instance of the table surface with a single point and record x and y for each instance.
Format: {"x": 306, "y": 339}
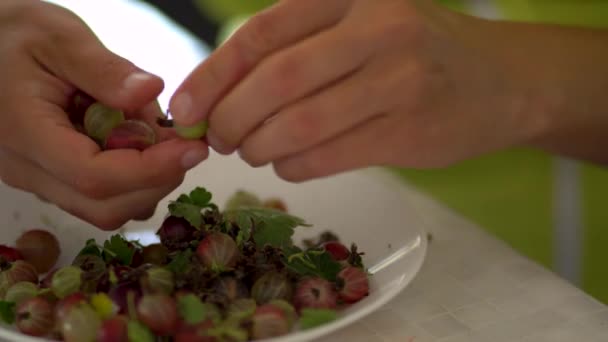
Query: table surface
{"x": 473, "y": 287}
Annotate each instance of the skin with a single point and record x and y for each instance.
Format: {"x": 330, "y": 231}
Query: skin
{"x": 46, "y": 53}
{"x": 395, "y": 82}
{"x": 358, "y": 83}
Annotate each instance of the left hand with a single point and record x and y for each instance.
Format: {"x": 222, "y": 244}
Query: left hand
{"x": 319, "y": 87}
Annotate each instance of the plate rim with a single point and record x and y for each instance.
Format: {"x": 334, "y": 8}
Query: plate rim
{"x": 420, "y": 247}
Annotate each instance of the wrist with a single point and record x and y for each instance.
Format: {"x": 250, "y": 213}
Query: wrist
{"x": 509, "y": 83}
{"x": 574, "y": 76}
{"x": 558, "y": 80}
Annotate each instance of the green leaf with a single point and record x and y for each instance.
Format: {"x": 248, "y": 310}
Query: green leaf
{"x": 183, "y": 198}
{"x": 194, "y": 311}
{"x": 190, "y": 206}
{"x": 273, "y": 235}
{"x": 312, "y": 318}
{"x": 190, "y": 212}
{"x": 7, "y": 311}
{"x": 118, "y": 248}
{"x": 269, "y": 226}
{"x": 201, "y": 197}
{"x": 90, "y": 248}
{"x": 138, "y": 332}
{"x": 180, "y": 261}
{"x": 312, "y": 262}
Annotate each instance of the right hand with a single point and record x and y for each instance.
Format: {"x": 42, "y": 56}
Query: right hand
{"x": 46, "y": 54}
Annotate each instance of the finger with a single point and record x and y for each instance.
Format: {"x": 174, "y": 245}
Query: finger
{"x": 77, "y": 56}
{"x": 146, "y": 215}
{"x": 356, "y": 149}
{"x": 268, "y": 31}
{"x": 108, "y": 214}
{"x": 283, "y": 78}
{"x": 76, "y": 160}
{"x": 317, "y": 118}
{"x": 42, "y": 199}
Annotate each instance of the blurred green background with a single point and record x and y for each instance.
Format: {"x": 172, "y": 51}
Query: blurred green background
{"x": 511, "y": 193}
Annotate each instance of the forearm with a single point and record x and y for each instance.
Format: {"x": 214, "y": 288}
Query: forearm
{"x": 560, "y": 76}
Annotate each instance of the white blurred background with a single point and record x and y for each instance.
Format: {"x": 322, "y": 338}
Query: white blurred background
{"x": 143, "y": 35}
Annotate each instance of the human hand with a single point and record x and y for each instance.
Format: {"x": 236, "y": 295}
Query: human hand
{"x": 46, "y": 54}
{"x": 317, "y": 87}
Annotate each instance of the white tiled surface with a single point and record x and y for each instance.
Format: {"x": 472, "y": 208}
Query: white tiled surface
{"x": 473, "y": 288}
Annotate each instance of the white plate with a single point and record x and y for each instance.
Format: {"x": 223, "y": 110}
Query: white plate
{"x": 366, "y": 207}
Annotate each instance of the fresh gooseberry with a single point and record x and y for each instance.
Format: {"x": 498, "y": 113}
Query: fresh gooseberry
{"x": 34, "y": 317}
{"x": 40, "y": 248}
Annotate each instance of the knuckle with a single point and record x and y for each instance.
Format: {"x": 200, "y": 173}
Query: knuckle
{"x": 286, "y": 172}
{"x": 254, "y": 159}
{"x": 104, "y": 222}
{"x": 215, "y": 73}
{"x": 228, "y": 134}
{"x": 99, "y": 216}
{"x": 285, "y": 76}
{"x": 250, "y": 155}
{"x": 301, "y": 169}
{"x": 423, "y": 80}
{"x": 55, "y": 28}
{"x": 259, "y": 34}
{"x": 255, "y": 152}
{"x": 18, "y": 11}
{"x": 42, "y": 198}
{"x": 73, "y": 208}
{"x": 9, "y": 179}
{"x": 11, "y": 132}
{"x": 145, "y": 215}
{"x": 86, "y": 210}
{"x": 304, "y": 127}
{"x": 25, "y": 41}
{"x": 315, "y": 164}
{"x": 399, "y": 24}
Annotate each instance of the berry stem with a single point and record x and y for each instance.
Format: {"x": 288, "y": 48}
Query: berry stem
{"x": 164, "y": 122}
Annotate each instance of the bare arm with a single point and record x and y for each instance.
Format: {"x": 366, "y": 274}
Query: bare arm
{"x": 563, "y": 76}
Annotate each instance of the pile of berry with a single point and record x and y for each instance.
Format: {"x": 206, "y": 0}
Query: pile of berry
{"x": 111, "y": 128}
{"x": 215, "y": 275}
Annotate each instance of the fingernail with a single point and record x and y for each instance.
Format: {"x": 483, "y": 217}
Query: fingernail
{"x": 181, "y": 107}
{"x": 217, "y": 144}
{"x": 135, "y": 80}
{"x": 192, "y": 158}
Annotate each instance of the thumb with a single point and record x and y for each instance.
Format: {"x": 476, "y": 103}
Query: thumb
{"x": 82, "y": 60}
